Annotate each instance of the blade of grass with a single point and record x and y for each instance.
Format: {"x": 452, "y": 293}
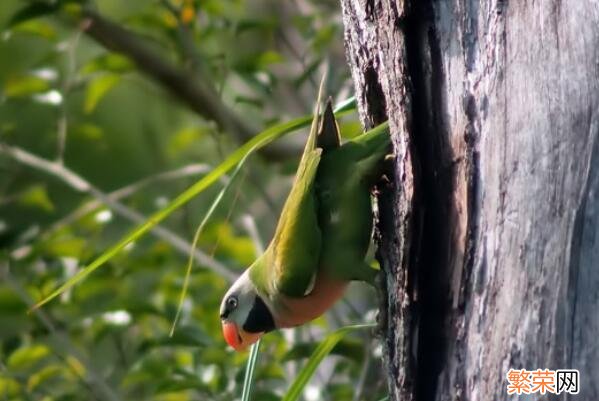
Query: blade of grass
{"x": 323, "y": 349}
{"x": 249, "y": 372}
{"x": 196, "y": 237}
{"x": 257, "y": 142}
{"x": 346, "y": 105}
{"x": 253, "y": 144}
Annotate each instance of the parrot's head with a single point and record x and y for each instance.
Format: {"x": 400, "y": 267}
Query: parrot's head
{"x": 244, "y": 315}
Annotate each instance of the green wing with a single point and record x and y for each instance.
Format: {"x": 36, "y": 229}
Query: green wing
{"x": 294, "y": 252}
{"x": 291, "y": 261}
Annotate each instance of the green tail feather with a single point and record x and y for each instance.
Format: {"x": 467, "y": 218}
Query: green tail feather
{"x": 328, "y": 135}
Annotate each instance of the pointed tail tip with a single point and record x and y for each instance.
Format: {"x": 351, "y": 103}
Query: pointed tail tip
{"x": 329, "y": 103}
{"x": 328, "y": 133}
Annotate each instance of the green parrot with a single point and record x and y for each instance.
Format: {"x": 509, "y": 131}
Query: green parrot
{"x": 320, "y": 241}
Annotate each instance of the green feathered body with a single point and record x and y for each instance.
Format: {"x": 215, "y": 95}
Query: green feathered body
{"x": 344, "y": 182}
{"x": 326, "y": 223}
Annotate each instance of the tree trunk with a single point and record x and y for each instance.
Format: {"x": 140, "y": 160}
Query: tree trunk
{"x": 489, "y": 231}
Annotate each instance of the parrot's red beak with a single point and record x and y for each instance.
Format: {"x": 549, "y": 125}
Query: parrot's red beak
{"x": 239, "y": 340}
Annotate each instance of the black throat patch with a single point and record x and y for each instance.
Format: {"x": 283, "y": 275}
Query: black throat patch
{"x": 259, "y": 319}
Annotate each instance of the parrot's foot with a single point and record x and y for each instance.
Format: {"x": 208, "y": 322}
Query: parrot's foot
{"x": 366, "y": 273}
{"x": 384, "y": 180}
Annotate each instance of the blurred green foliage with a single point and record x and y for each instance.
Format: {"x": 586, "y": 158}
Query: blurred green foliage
{"x": 67, "y": 99}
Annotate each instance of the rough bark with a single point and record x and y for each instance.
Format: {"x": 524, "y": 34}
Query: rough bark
{"x": 489, "y": 234}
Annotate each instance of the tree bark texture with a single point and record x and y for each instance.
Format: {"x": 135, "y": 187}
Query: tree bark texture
{"x": 489, "y": 231}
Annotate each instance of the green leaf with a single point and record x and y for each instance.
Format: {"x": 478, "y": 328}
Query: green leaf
{"x": 9, "y": 387}
{"x": 184, "y": 139}
{"x": 26, "y": 357}
{"x": 267, "y": 58}
{"x": 43, "y": 375}
{"x": 65, "y": 245}
{"x": 87, "y": 131}
{"x": 36, "y": 28}
{"x": 37, "y": 197}
{"x": 323, "y": 349}
{"x": 97, "y": 89}
{"x": 257, "y": 142}
{"x": 25, "y": 85}
{"x": 110, "y": 62}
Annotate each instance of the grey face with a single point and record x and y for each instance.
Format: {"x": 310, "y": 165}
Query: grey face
{"x": 244, "y": 307}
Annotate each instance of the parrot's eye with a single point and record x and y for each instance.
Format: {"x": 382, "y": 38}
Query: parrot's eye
{"x": 232, "y": 303}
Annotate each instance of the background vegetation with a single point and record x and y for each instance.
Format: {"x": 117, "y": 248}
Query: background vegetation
{"x": 94, "y": 138}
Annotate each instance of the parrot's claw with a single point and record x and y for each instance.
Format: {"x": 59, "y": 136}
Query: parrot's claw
{"x": 384, "y": 180}
{"x": 368, "y": 274}
{"x": 389, "y": 162}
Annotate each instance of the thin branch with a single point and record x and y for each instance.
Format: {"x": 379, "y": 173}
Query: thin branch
{"x": 185, "y": 171}
{"x": 52, "y": 168}
{"x": 78, "y": 183}
{"x": 125, "y": 192}
{"x": 196, "y": 92}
